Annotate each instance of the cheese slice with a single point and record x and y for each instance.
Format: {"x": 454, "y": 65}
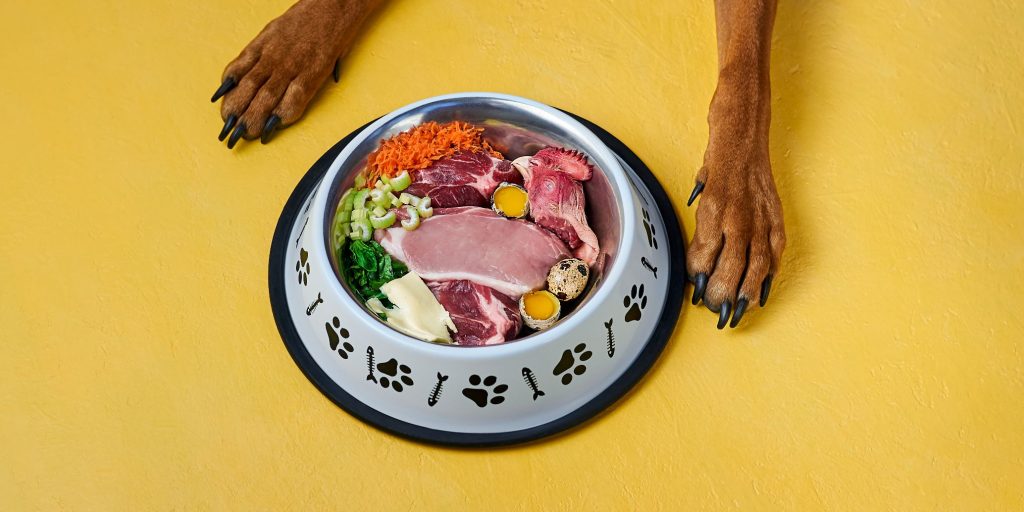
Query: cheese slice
{"x": 417, "y": 312}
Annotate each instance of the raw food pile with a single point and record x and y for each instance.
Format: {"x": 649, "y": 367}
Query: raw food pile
{"x": 448, "y": 242}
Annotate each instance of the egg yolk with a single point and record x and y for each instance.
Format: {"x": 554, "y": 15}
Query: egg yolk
{"x": 511, "y": 201}
{"x": 539, "y": 305}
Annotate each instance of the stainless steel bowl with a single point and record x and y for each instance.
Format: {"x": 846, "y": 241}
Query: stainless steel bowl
{"x": 501, "y": 393}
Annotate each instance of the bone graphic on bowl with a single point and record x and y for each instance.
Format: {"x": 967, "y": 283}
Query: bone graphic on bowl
{"x": 531, "y": 380}
{"x": 652, "y": 240}
{"x": 611, "y": 338}
{"x": 319, "y": 300}
{"x": 435, "y": 394}
{"x": 301, "y": 231}
{"x": 647, "y": 264}
{"x": 369, "y": 364}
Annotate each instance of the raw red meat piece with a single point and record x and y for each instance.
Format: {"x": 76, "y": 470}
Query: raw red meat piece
{"x": 482, "y": 315}
{"x": 464, "y": 179}
{"x": 475, "y": 244}
{"x": 557, "y": 201}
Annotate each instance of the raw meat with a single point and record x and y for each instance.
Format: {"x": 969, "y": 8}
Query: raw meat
{"x": 464, "y": 179}
{"x": 557, "y": 202}
{"x": 482, "y": 315}
{"x": 475, "y": 244}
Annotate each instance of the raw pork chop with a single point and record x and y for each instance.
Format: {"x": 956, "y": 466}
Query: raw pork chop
{"x": 464, "y": 179}
{"x": 475, "y": 244}
{"x": 482, "y": 315}
{"x": 557, "y": 201}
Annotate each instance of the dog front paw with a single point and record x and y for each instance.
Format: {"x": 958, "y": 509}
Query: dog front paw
{"x": 270, "y": 84}
{"x": 739, "y": 239}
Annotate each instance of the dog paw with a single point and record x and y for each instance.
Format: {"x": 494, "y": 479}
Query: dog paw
{"x": 270, "y": 84}
{"x": 738, "y": 242}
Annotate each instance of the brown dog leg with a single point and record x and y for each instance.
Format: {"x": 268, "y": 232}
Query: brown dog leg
{"x": 738, "y": 243}
{"x": 271, "y": 82}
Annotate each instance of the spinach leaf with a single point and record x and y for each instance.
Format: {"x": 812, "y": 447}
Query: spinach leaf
{"x": 367, "y": 266}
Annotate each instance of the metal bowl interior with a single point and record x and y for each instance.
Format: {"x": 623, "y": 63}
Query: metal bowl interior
{"x": 516, "y": 128}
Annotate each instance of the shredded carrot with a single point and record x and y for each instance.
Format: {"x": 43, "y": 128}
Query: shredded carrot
{"x": 423, "y": 145}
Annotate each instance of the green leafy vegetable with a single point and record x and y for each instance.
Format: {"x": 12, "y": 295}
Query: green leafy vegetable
{"x": 367, "y": 266}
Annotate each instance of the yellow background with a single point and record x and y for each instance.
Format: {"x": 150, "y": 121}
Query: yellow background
{"x": 141, "y": 367}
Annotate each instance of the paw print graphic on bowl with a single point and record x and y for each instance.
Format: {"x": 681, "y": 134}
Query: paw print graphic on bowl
{"x": 302, "y": 267}
{"x": 634, "y": 303}
{"x": 488, "y": 393}
{"x": 335, "y": 334}
{"x": 395, "y": 376}
{"x": 572, "y": 359}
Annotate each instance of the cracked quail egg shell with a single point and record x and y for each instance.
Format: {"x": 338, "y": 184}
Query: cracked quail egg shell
{"x": 510, "y": 200}
{"x": 540, "y": 309}
{"x": 568, "y": 278}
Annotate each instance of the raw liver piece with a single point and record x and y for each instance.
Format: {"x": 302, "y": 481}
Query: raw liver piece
{"x": 464, "y": 179}
{"x": 482, "y": 315}
{"x": 475, "y": 244}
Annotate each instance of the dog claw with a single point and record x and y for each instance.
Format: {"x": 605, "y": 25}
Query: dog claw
{"x": 337, "y": 71}
{"x": 235, "y": 135}
{"x": 268, "y": 128}
{"x": 699, "y": 284}
{"x": 766, "y": 286}
{"x": 741, "y": 307}
{"x": 229, "y": 83}
{"x": 228, "y": 125}
{"x": 723, "y": 315}
{"x": 697, "y": 189}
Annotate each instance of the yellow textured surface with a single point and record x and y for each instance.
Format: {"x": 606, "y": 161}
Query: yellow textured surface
{"x": 142, "y": 369}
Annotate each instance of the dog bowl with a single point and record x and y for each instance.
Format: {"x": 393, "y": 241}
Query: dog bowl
{"x": 498, "y": 394}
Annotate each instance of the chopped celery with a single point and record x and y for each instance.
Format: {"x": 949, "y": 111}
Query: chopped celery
{"x": 347, "y": 199}
{"x": 360, "y": 199}
{"x": 414, "y": 218}
{"x": 383, "y": 221}
{"x": 376, "y": 196}
{"x": 379, "y": 211}
{"x": 361, "y": 230}
{"x": 359, "y": 214}
{"x": 341, "y": 230}
{"x": 408, "y": 199}
{"x": 343, "y": 216}
{"x": 401, "y": 182}
{"x": 424, "y": 208}
{"x": 360, "y": 180}
{"x": 383, "y": 187}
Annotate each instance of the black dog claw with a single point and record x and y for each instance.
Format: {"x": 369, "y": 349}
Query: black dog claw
{"x": 235, "y": 135}
{"x": 228, "y": 125}
{"x": 766, "y": 287}
{"x": 697, "y": 189}
{"x": 699, "y": 284}
{"x": 723, "y": 315}
{"x": 229, "y": 83}
{"x": 337, "y": 71}
{"x": 741, "y": 307}
{"x": 268, "y": 128}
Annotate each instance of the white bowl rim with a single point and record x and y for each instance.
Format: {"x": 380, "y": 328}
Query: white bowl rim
{"x": 621, "y": 187}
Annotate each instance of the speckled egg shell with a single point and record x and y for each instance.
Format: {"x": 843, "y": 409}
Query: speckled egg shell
{"x": 568, "y": 278}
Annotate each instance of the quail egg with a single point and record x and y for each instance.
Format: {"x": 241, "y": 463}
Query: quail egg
{"x": 510, "y": 200}
{"x": 540, "y": 309}
{"x": 568, "y": 278}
